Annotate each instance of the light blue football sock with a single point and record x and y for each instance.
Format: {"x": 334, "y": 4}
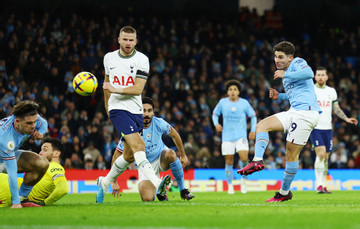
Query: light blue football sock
{"x": 262, "y": 141}
{"x": 242, "y": 165}
{"x": 229, "y": 173}
{"x": 178, "y": 173}
{"x": 290, "y": 171}
{"x": 25, "y": 190}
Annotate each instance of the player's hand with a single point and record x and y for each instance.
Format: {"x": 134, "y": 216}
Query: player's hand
{"x": 16, "y": 206}
{"x": 273, "y": 94}
{"x": 183, "y": 160}
{"x": 107, "y": 86}
{"x": 252, "y": 135}
{"x": 279, "y": 74}
{"x": 218, "y": 128}
{"x": 115, "y": 189}
{"x": 36, "y": 135}
{"x": 352, "y": 121}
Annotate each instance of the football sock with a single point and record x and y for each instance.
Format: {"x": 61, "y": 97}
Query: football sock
{"x": 145, "y": 168}
{"x": 242, "y": 165}
{"x": 261, "y": 142}
{"x": 178, "y": 173}
{"x": 229, "y": 173}
{"x": 24, "y": 191}
{"x": 326, "y": 168}
{"x": 290, "y": 171}
{"x": 119, "y": 166}
{"x": 319, "y": 171}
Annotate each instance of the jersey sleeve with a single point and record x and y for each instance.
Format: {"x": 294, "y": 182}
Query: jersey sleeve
{"x": 41, "y": 125}
{"x": 164, "y": 127}
{"x": 57, "y": 174}
{"x": 299, "y": 70}
{"x": 143, "y": 69}
{"x": 106, "y": 66}
{"x": 334, "y": 96}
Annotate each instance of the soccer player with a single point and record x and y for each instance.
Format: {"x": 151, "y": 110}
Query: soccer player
{"x": 234, "y": 130}
{"x": 298, "y": 121}
{"x": 53, "y": 184}
{"x": 321, "y": 136}
{"x": 161, "y": 157}
{"x": 126, "y": 71}
{"x": 25, "y": 122}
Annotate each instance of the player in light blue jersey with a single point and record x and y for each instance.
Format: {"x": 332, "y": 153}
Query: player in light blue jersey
{"x": 159, "y": 155}
{"x": 14, "y": 131}
{"x": 234, "y": 110}
{"x": 298, "y": 121}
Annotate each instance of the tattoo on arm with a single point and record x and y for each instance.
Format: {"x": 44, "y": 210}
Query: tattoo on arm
{"x": 340, "y": 113}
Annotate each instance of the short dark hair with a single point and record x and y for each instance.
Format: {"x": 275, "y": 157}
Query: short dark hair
{"x": 55, "y": 143}
{"x": 25, "y": 108}
{"x": 127, "y": 29}
{"x": 285, "y": 46}
{"x": 147, "y": 100}
{"x": 231, "y": 83}
{"x": 321, "y": 68}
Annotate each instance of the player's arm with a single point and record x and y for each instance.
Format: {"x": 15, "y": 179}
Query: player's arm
{"x": 106, "y": 94}
{"x": 274, "y": 94}
{"x": 179, "y": 144}
{"x": 60, "y": 190}
{"x": 340, "y": 113}
{"x": 253, "y": 127}
{"x": 215, "y": 118}
{"x": 136, "y": 89}
{"x": 11, "y": 167}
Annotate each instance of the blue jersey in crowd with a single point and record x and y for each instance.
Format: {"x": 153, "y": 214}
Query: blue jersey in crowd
{"x": 299, "y": 86}
{"x": 234, "y": 118}
{"x": 152, "y": 137}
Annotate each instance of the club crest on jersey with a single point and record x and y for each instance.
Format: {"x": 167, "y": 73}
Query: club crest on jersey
{"x": 11, "y": 145}
{"x": 233, "y": 109}
{"x": 131, "y": 68}
{"x": 148, "y": 135}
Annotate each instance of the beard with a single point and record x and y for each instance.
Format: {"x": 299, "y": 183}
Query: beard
{"x": 126, "y": 51}
{"x": 147, "y": 120}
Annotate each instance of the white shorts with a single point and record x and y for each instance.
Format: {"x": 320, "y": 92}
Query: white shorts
{"x": 229, "y": 148}
{"x": 156, "y": 166}
{"x": 298, "y": 124}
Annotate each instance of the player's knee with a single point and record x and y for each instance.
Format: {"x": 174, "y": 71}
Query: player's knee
{"x": 42, "y": 164}
{"x": 260, "y": 127}
{"x": 170, "y": 156}
{"x": 147, "y": 198}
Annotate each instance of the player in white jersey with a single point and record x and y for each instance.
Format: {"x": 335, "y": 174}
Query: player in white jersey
{"x": 159, "y": 155}
{"x": 299, "y": 121}
{"x": 14, "y": 131}
{"x": 126, "y": 71}
{"x": 234, "y": 130}
{"x": 321, "y": 136}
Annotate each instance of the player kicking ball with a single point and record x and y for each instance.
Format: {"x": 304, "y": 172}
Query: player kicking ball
{"x": 161, "y": 157}
{"x": 298, "y": 121}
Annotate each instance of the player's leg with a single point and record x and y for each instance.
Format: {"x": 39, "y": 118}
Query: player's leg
{"x": 147, "y": 190}
{"x": 168, "y": 159}
{"x": 34, "y": 166}
{"x": 326, "y": 169}
{"x": 243, "y": 159}
{"x": 272, "y": 123}
{"x": 319, "y": 167}
{"x": 228, "y": 151}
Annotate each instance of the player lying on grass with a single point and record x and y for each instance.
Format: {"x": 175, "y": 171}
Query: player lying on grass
{"x": 161, "y": 157}
{"x": 53, "y": 184}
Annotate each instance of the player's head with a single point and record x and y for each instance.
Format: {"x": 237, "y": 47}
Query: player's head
{"x": 127, "y": 40}
{"x": 233, "y": 88}
{"x": 284, "y": 53}
{"x": 148, "y": 105}
{"x": 321, "y": 76}
{"x": 25, "y": 113}
{"x": 52, "y": 148}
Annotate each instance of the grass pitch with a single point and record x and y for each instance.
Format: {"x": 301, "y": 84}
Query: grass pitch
{"x": 341, "y": 209}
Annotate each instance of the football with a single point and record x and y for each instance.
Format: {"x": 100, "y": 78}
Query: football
{"x": 85, "y": 83}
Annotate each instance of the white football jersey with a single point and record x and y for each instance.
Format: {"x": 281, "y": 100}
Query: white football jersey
{"x": 326, "y": 97}
{"x": 122, "y": 71}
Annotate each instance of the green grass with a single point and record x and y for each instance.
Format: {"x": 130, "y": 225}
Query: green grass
{"x": 208, "y": 210}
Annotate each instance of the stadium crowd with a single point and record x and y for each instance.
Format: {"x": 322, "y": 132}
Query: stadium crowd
{"x": 191, "y": 58}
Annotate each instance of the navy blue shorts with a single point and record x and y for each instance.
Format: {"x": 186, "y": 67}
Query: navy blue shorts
{"x": 322, "y": 138}
{"x": 126, "y": 122}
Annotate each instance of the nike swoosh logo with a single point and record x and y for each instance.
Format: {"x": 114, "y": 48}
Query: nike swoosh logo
{"x": 112, "y": 68}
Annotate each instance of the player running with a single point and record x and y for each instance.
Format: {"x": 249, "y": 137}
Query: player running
{"x": 234, "y": 130}
{"x": 321, "y": 136}
{"x": 298, "y": 121}
{"x": 161, "y": 157}
{"x": 14, "y": 131}
{"x": 126, "y": 71}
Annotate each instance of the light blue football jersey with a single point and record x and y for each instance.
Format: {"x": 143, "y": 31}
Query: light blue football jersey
{"x": 152, "y": 137}
{"x": 299, "y": 86}
{"x": 234, "y": 118}
{"x": 11, "y": 139}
